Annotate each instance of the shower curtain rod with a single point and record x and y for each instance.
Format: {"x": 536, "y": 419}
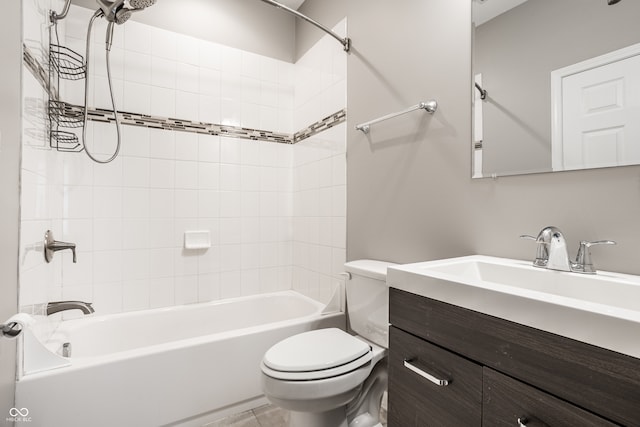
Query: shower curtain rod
{"x": 345, "y": 42}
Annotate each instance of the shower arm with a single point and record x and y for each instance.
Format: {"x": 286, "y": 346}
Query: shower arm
{"x": 345, "y": 42}
{"x": 55, "y": 17}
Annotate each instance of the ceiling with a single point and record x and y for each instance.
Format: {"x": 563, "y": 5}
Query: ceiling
{"x": 485, "y": 10}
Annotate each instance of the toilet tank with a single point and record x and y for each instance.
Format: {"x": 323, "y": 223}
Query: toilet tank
{"x": 368, "y": 299}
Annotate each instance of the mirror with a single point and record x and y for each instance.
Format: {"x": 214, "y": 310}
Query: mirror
{"x": 562, "y": 82}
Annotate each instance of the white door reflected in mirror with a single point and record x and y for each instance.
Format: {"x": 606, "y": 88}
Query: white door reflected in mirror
{"x": 599, "y": 105}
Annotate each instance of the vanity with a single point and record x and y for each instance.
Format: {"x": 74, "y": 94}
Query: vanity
{"x": 483, "y": 341}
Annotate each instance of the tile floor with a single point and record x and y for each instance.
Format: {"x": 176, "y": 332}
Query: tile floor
{"x": 264, "y": 416}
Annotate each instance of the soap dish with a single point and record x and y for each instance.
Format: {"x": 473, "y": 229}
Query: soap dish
{"x": 198, "y": 239}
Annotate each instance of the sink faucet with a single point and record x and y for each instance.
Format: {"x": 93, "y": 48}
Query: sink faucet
{"x": 57, "y": 306}
{"x": 552, "y": 252}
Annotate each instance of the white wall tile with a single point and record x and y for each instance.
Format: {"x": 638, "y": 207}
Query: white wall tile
{"x": 230, "y": 284}
{"x": 137, "y": 97}
{"x": 107, "y": 266}
{"x": 209, "y": 148}
{"x": 209, "y": 108}
{"x": 138, "y": 68}
{"x": 161, "y": 263}
{"x": 161, "y": 292}
{"x": 161, "y": 173}
{"x": 209, "y": 82}
{"x": 187, "y": 106}
{"x": 188, "y": 50}
{"x": 208, "y": 175}
{"x": 135, "y": 141}
{"x": 129, "y": 217}
{"x": 135, "y": 203}
{"x": 107, "y": 202}
{"x": 161, "y": 203}
{"x": 208, "y": 287}
{"x": 163, "y": 44}
{"x": 163, "y": 102}
{"x": 230, "y": 177}
{"x": 186, "y": 204}
{"x": 138, "y": 37}
{"x": 186, "y": 146}
{"x": 163, "y": 72}
{"x": 135, "y": 295}
{"x": 135, "y": 264}
{"x": 161, "y": 232}
{"x": 161, "y": 144}
{"x": 210, "y": 55}
{"x": 230, "y": 204}
{"x": 186, "y": 175}
{"x": 186, "y": 289}
{"x": 187, "y": 77}
{"x": 135, "y": 172}
{"x": 135, "y": 234}
{"x": 208, "y": 204}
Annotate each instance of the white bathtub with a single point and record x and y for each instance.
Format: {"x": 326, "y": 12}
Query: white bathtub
{"x": 183, "y": 365}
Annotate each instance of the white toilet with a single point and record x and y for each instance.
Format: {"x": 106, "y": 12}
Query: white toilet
{"x": 327, "y": 377}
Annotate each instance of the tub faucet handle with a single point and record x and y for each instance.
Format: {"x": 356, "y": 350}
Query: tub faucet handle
{"x": 51, "y": 246}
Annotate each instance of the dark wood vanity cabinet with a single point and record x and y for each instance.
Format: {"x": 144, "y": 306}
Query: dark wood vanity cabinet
{"x": 499, "y": 373}
{"x": 421, "y": 402}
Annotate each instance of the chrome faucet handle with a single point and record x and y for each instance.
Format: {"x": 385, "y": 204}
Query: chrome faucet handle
{"x": 583, "y": 263}
{"x": 51, "y": 246}
{"x": 542, "y": 250}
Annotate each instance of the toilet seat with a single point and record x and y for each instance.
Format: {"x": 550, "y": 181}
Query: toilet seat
{"x": 318, "y": 354}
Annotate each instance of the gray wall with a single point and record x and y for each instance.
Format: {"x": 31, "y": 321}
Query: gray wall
{"x": 249, "y": 25}
{"x": 10, "y": 94}
{"x": 410, "y": 195}
{"x": 516, "y": 53}
{"x": 325, "y": 12}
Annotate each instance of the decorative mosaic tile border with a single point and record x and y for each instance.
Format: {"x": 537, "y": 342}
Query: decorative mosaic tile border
{"x": 71, "y": 115}
{"x": 320, "y": 126}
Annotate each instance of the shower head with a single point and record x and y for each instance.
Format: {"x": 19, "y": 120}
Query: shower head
{"x": 610, "y": 2}
{"x": 119, "y": 11}
{"x": 141, "y": 4}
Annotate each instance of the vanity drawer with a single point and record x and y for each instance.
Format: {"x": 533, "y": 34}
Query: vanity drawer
{"x": 416, "y": 401}
{"x": 599, "y": 380}
{"x": 510, "y": 403}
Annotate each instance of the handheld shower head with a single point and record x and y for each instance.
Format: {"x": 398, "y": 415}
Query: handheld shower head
{"x": 122, "y": 16}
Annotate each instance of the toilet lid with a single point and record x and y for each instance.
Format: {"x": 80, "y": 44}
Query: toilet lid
{"x": 317, "y": 350}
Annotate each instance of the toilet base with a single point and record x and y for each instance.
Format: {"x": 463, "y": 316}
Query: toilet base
{"x": 334, "y": 418}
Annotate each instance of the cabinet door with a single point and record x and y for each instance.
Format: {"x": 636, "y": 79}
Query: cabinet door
{"x": 429, "y": 386}
{"x": 510, "y": 403}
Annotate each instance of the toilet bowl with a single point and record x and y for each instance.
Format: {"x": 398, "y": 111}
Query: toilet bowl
{"x": 328, "y": 377}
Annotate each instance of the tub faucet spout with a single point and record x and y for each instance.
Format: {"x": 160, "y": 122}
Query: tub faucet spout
{"x": 57, "y": 306}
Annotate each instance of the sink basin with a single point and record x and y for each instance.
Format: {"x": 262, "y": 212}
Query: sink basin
{"x": 601, "y": 309}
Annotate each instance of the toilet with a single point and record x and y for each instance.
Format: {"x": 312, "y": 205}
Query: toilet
{"x": 327, "y": 377}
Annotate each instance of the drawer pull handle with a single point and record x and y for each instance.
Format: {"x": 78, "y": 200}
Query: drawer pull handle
{"x": 423, "y": 374}
{"x": 522, "y": 422}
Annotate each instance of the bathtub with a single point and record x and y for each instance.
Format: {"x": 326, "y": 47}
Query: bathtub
{"x": 184, "y": 365}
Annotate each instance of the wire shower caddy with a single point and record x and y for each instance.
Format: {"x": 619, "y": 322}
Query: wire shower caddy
{"x": 67, "y": 64}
